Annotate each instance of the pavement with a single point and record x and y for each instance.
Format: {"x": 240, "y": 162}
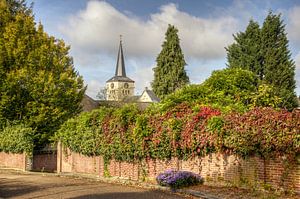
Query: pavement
{"x": 23, "y": 185}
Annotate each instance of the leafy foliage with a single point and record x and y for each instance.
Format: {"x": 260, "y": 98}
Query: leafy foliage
{"x": 16, "y": 139}
{"x": 184, "y": 131}
{"x": 278, "y": 65}
{"x": 38, "y": 83}
{"x": 228, "y": 89}
{"x": 84, "y": 134}
{"x": 272, "y": 132}
{"x": 265, "y": 52}
{"x": 246, "y": 52}
{"x": 169, "y": 74}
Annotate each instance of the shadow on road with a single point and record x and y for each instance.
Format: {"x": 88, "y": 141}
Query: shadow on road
{"x": 130, "y": 195}
{"x": 37, "y": 187}
{"x": 10, "y": 188}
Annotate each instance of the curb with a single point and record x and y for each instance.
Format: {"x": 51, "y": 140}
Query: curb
{"x": 197, "y": 194}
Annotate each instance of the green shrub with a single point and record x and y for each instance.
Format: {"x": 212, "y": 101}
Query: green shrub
{"x": 84, "y": 133}
{"x": 17, "y": 138}
{"x": 184, "y": 131}
{"x": 228, "y": 90}
{"x": 263, "y": 131}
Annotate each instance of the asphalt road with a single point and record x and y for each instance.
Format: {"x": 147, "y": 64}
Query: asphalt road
{"x": 14, "y": 185}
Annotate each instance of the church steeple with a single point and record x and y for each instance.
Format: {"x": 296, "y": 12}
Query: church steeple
{"x": 120, "y": 68}
{"x": 119, "y": 86}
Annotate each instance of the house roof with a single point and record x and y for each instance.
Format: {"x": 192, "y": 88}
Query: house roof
{"x": 151, "y": 94}
{"x": 88, "y": 104}
{"x": 119, "y": 79}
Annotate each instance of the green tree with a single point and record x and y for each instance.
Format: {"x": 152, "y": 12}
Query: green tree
{"x": 278, "y": 65}
{"x": 265, "y": 52}
{"x": 245, "y": 52}
{"x": 39, "y": 85}
{"x": 169, "y": 74}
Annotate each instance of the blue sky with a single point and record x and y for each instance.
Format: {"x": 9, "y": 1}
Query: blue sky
{"x": 92, "y": 29}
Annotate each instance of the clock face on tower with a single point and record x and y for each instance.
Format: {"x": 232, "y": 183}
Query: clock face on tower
{"x": 126, "y": 85}
{"x": 112, "y": 85}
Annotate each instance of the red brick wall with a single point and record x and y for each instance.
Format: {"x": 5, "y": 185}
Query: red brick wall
{"x": 77, "y": 163}
{"x": 214, "y": 167}
{"x": 14, "y": 161}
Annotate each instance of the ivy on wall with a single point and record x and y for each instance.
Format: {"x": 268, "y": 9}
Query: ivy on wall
{"x": 184, "y": 131}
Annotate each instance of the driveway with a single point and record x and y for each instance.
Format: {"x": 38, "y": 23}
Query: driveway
{"x": 36, "y": 186}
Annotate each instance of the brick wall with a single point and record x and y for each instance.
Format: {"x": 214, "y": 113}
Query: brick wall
{"x": 214, "y": 167}
{"x": 14, "y": 161}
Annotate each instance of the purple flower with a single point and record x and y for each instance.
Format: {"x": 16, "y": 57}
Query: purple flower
{"x": 176, "y": 179}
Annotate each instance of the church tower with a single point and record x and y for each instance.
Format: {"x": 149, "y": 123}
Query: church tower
{"x": 119, "y": 86}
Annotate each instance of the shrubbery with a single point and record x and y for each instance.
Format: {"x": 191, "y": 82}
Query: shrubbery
{"x": 228, "y": 90}
{"x": 184, "y": 131}
{"x": 17, "y": 139}
{"x": 263, "y": 131}
{"x": 224, "y": 114}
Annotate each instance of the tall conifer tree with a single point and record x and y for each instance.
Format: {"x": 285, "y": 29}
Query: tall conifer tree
{"x": 245, "y": 52}
{"x": 265, "y": 52}
{"x": 279, "y": 68}
{"x": 169, "y": 74}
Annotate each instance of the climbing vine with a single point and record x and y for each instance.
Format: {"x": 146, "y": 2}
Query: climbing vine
{"x": 184, "y": 131}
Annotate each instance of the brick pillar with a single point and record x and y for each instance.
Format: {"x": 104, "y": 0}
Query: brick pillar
{"x": 59, "y": 157}
{"x": 28, "y": 160}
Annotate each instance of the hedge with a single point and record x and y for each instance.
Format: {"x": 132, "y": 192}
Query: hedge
{"x": 184, "y": 131}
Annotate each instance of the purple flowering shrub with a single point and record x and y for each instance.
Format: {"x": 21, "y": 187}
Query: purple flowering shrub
{"x": 178, "y": 179}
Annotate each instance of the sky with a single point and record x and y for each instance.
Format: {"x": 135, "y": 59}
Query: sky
{"x": 92, "y": 29}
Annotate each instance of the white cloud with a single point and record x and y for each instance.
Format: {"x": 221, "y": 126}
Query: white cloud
{"x": 294, "y": 24}
{"x": 96, "y": 29}
{"x": 93, "y": 87}
{"x": 297, "y": 60}
{"x": 143, "y": 76}
{"x": 94, "y": 35}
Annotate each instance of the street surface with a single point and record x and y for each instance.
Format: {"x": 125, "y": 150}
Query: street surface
{"x": 36, "y": 186}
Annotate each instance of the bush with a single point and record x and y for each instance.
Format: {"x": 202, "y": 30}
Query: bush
{"x": 228, "y": 90}
{"x": 178, "y": 179}
{"x": 263, "y": 131}
{"x": 84, "y": 133}
{"x": 17, "y": 138}
{"x": 184, "y": 131}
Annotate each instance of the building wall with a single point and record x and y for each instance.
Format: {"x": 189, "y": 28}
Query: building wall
{"x": 214, "y": 167}
{"x": 145, "y": 98}
{"x": 118, "y": 92}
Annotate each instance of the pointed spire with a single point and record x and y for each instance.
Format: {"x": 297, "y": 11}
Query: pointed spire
{"x": 120, "y": 68}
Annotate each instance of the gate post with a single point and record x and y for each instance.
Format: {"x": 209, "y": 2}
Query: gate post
{"x": 59, "y": 157}
{"x": 28, "y": 160}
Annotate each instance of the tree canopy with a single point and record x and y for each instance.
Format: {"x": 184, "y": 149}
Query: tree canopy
{"x": 38, "y": 83}
{"x": 265, "y": 52}
{"x": 169, "y": 74}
